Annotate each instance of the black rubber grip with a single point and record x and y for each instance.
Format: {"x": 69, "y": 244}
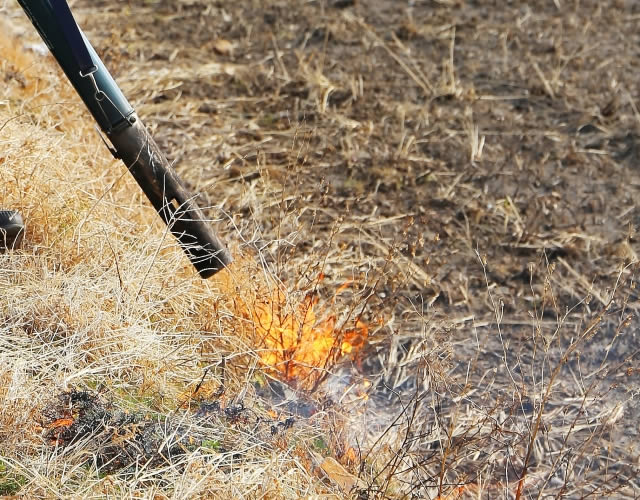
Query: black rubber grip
{"x": 11, "y": 229}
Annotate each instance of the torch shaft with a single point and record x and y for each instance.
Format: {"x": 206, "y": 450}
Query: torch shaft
{"x": 130, "y": 138}
{"x": 175, "y": 205}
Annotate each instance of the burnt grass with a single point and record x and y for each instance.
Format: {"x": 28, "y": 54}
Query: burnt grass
{"x": 121, "y": 440}
{"x": 473, "y": 166}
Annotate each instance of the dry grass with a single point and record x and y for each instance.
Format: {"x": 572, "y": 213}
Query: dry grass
{"x": 100, "y": 299}
{"x": 468, "y": 169}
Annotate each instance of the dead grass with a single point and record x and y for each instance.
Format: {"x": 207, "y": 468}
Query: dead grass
{"x": 469, "y": 169}
{"x": 100, "y": 299}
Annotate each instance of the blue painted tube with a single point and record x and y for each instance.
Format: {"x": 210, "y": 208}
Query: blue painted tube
{"x": 98, "y": 91}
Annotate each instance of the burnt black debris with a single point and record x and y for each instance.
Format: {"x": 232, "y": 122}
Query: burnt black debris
{"x": 282, "y": 426}
{"x": 294, "y": 402}
{"x": 235, "y": 413}
{"x": 119, "y": 439}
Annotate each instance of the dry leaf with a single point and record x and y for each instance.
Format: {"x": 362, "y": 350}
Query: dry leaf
{"x": 223, "y": 47}
{"x": 341, "y": 476}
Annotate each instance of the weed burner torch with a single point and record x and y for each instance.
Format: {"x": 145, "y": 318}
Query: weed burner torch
{"x": 131, "y": 141}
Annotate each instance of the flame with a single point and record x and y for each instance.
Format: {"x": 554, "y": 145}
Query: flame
{"x": 295, "y": 343}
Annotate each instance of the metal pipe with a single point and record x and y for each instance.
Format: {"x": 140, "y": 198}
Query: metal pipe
{"x": 98, "y": 91}
{"x": 175, "y": 205}
{"x": 131, "y": 140}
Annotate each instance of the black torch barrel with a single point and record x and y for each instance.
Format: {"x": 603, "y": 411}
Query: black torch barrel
{"x": 175, "y": 205}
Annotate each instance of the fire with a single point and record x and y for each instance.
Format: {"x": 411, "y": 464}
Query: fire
{"x": 296, "y": 343}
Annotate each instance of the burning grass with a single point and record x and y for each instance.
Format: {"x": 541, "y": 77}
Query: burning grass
{"x": 300, "y": 347}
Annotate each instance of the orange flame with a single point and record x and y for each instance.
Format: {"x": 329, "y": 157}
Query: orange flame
{"x": 296, "y": 344}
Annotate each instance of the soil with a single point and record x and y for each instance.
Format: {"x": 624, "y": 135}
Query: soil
{"x": 449, "y": 129}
